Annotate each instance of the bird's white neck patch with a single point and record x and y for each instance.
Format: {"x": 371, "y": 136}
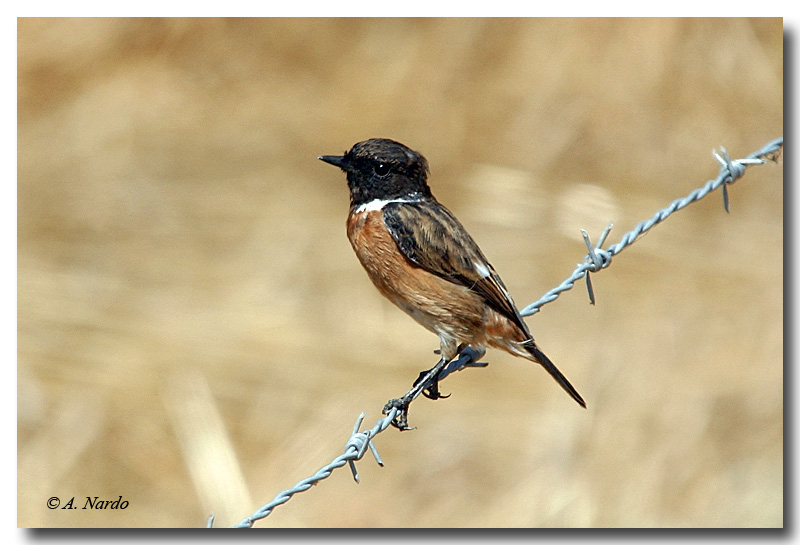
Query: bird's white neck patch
{"x": 377, "y": 204}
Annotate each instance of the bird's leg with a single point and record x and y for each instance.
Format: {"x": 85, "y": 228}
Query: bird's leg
{"x": 428, "y": 382}
{"x": 431, "y": 377}
{"x": 434, "y": 375}
{"x": 420, "y": 386}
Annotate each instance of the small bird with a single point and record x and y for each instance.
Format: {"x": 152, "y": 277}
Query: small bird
{"x": 421, "y": 258}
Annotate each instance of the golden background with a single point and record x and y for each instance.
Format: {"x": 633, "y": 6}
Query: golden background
{"x": 196, "y": 335}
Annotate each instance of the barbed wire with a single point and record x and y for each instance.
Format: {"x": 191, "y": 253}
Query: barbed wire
{"x": 596, "y": 260}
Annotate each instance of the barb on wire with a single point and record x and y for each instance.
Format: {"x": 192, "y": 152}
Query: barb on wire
{"x": 728, "y": 174}
{"x": 354, "y": 449}
{"x": 596, "y": 259}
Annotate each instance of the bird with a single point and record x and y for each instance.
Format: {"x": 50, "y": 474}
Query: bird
{"x": 423, "y": 260}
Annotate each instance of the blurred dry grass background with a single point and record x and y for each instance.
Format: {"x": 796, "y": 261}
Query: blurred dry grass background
{"x": 195, "y": 334}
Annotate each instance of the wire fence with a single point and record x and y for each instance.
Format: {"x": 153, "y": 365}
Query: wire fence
{"x": 596, "y": 259}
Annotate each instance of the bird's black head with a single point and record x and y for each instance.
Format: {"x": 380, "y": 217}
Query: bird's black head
{"x": 380, "y": 168}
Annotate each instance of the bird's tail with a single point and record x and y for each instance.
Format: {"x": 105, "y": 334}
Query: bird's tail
{"x": 545, "y": 362}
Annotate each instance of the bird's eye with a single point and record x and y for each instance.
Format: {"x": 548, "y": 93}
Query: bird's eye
{"x": 381, "y": 169}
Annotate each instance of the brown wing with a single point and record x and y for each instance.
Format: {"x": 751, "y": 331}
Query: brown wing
{"x": 433, "y": 239}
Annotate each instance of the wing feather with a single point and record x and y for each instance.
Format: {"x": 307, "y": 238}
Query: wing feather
{"x": 432, "y": 238}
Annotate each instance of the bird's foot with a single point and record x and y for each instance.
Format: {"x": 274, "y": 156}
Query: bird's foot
{"x": 431, "y": 391}
{"x": 427, "y": 384}
{"x": 400, "y": 420}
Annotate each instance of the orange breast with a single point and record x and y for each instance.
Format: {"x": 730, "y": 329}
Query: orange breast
{"x": 450, "y": 310}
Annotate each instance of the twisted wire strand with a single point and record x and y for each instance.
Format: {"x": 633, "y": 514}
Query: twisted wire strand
{"x": 354, "y": 449}
{"x": 596, "y": 259}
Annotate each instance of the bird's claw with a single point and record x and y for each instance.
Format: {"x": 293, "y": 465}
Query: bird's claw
{"x": 432, "y": 391}
{"x": 400, "y": 420}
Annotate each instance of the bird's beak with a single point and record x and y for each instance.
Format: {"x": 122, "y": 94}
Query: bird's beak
{"x": 337, "y": 161}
